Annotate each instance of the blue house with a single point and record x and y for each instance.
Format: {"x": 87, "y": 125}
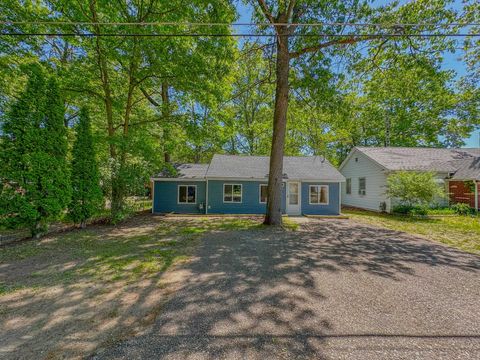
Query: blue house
{"x": 233, "y": 184}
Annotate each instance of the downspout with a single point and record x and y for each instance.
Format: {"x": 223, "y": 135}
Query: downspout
{"x": 476, "y": 195}
{"x": 339, "y": 198}
{"x": 206, "y": 197}
{"x": 153, "y": 194}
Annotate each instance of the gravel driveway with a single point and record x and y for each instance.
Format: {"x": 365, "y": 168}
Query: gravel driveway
{"x": 334, "y": 289}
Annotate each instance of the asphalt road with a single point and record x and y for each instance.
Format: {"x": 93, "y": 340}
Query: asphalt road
{"x": 332, "y": 290}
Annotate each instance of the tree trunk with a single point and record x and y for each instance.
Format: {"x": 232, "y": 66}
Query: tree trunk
{"x": 165, "y": 115}
{"x": 116, "y": 192}
{"x": 275, "y": 176}
{"x": 387, "y": 130}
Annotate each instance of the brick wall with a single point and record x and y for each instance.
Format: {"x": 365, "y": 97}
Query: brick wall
{"x": 459, "y": 192}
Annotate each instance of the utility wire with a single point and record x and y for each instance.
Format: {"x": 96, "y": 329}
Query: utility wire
{"x": 419, "y": 35}
{"x": 168, "y": 23}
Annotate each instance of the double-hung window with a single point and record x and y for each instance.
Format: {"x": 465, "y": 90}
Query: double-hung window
{"x": 318, "y": 194}
{"x": 349, "y": 186}
{"x": 362, "y": 186}
{"x": 232, "y": 193}
{"x": 263, "y": 193}
{"x": 187, "y": 194}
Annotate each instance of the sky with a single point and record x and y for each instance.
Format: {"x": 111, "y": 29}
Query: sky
{"x": 451, "y": 61}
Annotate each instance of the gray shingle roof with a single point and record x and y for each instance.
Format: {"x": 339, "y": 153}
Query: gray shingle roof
{"x": 420, "y": 159}
{"x": 257, "y": 167}
{"x": 185, "y": 171}
{"x": 468, "y": 169}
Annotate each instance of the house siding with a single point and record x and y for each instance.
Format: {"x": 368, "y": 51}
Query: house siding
{"x": 376, "y": 183}
{"x": 333, "y": 207}
{"x": 459, "y": 192}
{"x": 166, "y": 192}
{"x": 165, "y": 197}
{"x": 250, "y": 198}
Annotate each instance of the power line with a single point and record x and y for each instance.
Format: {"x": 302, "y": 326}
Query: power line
{"x": 419, "y": 35}
{"x": 169, "y": 23}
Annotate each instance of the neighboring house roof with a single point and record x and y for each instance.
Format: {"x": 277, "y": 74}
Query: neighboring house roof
{"x": 257, "y": 167}
{"x": 419, "y": 159}
{"x": 468, "y": 169}
{"x": 464, "y": 164}
{"x": 184, "y": 171}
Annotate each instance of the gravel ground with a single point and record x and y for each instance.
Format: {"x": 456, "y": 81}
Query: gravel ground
{"x": 334, "y": 289}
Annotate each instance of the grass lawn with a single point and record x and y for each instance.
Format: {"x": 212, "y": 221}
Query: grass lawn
{"x": 67, "y": 294}
{"x": 461, "y": 232}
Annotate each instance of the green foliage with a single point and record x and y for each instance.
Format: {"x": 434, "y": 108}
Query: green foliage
{"x": 470, "y": 185}
{"x": 87, "y": 198}
{"x": 462, "y": 209}
{"x": 380, "y": 91}
{"x": 35, "y": 182}
{"x": 248, "y": 124}
{"x": 413, "y": 188}
{"x": 411, "y": 210}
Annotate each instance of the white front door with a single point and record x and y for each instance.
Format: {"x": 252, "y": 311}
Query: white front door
{"x": 293, "y": 198}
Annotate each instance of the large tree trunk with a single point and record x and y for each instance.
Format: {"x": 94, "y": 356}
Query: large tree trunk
{"x": 274, "y": 202}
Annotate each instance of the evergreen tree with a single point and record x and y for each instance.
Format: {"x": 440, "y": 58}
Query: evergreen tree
{"x": 87, "y": 195}
{"x": 35, "y": 186}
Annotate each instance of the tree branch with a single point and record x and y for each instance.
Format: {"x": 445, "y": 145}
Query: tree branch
{"x": 92, "y": 92}
{"x": 291, "y": 6}
{"x": 149, "y": 98}
{"x": 267, "y": 13}
{"x": 350, "y": 40}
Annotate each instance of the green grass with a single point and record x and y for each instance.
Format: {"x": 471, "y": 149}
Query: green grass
{"x": 289, "y": 224}
{"x": 105, "y": 253}
{"x": 461, "y": 232}
{"x": 441, "y": 211}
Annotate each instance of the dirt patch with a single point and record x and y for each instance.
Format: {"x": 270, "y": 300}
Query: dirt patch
{"x": 69, "y": 294}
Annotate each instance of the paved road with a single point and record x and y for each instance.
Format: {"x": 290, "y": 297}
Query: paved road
{"x": 332, "y": 290}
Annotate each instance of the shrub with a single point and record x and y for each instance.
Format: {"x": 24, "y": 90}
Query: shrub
{"x": 402, "y": 209}
{"x": 414, "y": 189}
{"x": 419, "y": 211}
{"x": 410, "y": 210}
{"x": 87, "y": 199}
{"x": 462, "y": 209}
{"x": 33, "y": 147}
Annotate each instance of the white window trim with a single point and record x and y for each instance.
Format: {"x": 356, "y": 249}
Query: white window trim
{"x": 178, "y": 195}
{"x": 365, "y": 189}
{"x": 260, "y": 193}
{"x": 319, "y": 186}
{"x": 241, "y": 194}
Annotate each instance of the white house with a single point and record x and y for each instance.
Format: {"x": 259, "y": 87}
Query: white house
{"x": 366, "y": 170}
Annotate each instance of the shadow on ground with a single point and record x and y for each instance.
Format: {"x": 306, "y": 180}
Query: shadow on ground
{"x": 65, "y": 295}
{"x": 333, "y": 289}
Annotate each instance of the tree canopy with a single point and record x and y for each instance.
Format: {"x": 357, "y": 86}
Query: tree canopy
{"x": 158, "y": 95}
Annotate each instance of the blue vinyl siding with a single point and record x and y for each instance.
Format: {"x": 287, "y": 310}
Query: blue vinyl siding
{"x": 333, "y": 207}
{"x": 166, "y": 193}
{"x": 250, "y": 198}
{"x": 165, "y": 199}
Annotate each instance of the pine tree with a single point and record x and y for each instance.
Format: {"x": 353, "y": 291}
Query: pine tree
{"x": 35, "y": 185}
{"x": 87, "y": 195}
